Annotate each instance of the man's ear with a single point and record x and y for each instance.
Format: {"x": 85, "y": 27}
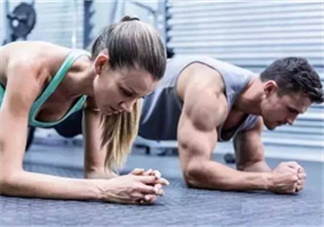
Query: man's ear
{"x": 101, "y": 62}
{"x": 270, "y": 87}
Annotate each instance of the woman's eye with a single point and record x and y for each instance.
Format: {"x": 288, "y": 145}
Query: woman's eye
{"x": 127, "y": 93}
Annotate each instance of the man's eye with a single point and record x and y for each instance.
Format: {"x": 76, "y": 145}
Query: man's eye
{"x": 293, "y": 111}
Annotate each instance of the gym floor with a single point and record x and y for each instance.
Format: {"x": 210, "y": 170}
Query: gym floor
{"x": 180, "y": 206}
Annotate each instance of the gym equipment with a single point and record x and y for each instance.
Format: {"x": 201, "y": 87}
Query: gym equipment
{"x": 21, "y": 21}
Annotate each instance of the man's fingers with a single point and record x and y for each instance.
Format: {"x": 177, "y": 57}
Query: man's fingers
{"x": 294, "y": 165}
{"x": 301, "y": 170}
{"x": 299, "y": 188}
{"x": 300, "y": 185}
{"x": 301, "y": 182}
{"x": 302, "y": 176}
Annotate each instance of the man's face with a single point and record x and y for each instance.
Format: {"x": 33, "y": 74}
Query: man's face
{"x": 280, "y": 110}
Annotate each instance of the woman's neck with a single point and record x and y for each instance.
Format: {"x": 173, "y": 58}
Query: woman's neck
{"x": 82, "y": 81}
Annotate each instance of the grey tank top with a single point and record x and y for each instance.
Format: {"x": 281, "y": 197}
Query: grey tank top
{"x": 161, "y": 109}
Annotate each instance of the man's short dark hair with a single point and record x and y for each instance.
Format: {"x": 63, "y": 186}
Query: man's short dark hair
{"x": 295, "y": 74}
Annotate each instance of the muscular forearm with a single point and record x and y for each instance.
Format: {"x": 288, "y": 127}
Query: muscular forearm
{"x": 212, "y": 175}
{"x": 28, "y": 184}
{"x": 261, "y": 166}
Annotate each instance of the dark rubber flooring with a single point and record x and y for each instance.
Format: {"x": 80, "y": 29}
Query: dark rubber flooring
{"x": 179, "y": 207}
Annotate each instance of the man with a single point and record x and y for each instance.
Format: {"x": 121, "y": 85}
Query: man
{"x": 202, "y": 101}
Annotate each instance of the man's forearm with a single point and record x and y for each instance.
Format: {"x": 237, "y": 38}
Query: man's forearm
{"x": 261, "y": 166}
{"x": 212, "y": 175}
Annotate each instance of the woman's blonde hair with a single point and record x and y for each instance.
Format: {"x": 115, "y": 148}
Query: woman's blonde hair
{"x": 131, "y": 44}
{"x": 119, "y": 132}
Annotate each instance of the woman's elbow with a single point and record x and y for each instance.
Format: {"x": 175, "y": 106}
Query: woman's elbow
{"x": 7, "y": 182}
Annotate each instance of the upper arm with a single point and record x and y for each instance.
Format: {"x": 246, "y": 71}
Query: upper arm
{"x": 197, "y": 130}
{"x": 22, "y": 89}
{"x": 248, "y": 144}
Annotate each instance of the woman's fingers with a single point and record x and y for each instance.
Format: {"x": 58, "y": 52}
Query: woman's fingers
{"x": 158, "y": 189}
{"x": 149, "y": 189}
{"x": 162, "y": 181}
{"x": 157, "y": 173}
{"x": 150, "y": 198}
{"x": 137, "y": 171}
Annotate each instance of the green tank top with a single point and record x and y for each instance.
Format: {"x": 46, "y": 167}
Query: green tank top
{"x": 50, "y": 89}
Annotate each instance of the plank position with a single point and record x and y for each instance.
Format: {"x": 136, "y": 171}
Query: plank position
{"x": 42, "y": 84}
{"x": 202, "y": 101}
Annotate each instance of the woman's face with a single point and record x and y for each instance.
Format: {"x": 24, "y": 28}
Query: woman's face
{"x": 117, "y": 90}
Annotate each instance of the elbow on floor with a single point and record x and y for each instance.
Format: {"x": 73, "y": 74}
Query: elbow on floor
{"x": 6, "y": 184}
{"x": 191, "y": 177}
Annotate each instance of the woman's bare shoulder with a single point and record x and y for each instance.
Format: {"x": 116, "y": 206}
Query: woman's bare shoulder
{"x": 39, "y": 58}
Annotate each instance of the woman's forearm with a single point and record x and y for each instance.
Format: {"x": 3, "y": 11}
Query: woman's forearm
{"x": 103, "y": 174}
{"x": 28, "y": 184}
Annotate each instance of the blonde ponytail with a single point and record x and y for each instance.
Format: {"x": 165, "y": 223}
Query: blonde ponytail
{"x": 131, "y": 44}
{"x": 119, "y": 133}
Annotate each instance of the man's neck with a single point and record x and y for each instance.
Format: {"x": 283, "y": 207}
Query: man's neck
{"x": 249, "y": 101}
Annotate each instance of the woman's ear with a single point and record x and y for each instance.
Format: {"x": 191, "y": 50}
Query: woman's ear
{"x": 101, "y": 62}
{"x": 270, "y": 87}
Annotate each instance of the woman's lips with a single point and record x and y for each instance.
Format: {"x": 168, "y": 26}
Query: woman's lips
{"x": 115, "y": 111}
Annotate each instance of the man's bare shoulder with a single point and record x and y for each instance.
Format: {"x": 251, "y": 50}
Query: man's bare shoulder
{"x": 206, "y": 108}
{"x": 198, "y": 76}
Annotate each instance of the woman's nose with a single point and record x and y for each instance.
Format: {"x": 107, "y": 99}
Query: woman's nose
{"x": 127, "y": 106}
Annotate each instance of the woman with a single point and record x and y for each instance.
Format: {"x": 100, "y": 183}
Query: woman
{"x": 42, "y": 84}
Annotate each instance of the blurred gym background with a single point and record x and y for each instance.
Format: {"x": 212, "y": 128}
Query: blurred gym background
{"x": 250, "y": 34}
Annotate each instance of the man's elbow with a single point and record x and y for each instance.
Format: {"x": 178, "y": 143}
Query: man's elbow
{"x": 192, "y": 176}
